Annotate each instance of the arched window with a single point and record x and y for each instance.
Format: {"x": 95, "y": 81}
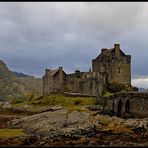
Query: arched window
{"x": 119, "y": 108}
{"x": 127, "y": 106}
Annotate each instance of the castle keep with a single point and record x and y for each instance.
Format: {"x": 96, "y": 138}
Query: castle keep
{"x": 112, "y": 66}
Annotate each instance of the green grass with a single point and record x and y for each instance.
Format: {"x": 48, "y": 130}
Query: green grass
{"x": 106, "y": 94}
{"x": 58, "y": 99}
{"x": 7, "y": 133}
{"x": 61, "y": 100}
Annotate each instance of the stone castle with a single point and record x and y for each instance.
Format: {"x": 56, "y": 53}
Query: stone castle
{"x": 111, "y": 66}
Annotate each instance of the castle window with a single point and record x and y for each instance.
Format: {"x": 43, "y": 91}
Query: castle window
{"x": 78, "y": 76}
{"x": 119, "y": 70}
{"x": 112, "y": 59}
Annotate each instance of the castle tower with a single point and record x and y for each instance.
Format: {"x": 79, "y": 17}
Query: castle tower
{"x": 113, "y": 65}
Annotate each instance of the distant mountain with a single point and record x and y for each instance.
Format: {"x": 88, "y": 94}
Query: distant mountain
{"x": 141, "y": 89}
{"x": 17, "y": 74}
{"x": 17, "y": 85}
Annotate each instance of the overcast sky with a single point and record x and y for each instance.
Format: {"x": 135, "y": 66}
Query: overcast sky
{"x": 39, "y": 35}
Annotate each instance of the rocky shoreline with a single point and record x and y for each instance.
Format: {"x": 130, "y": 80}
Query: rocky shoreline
{"x": 60, "y": 126}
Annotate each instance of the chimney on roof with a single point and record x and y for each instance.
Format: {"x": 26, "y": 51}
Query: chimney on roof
{"x": 77, "y": 71}
{"x": 47, "y": 70}
{"x": 117, "y": 46}
{"x": 61, "y": 68}
{"x": 117, "y": 50}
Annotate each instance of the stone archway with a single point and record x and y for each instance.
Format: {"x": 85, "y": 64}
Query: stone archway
{"x": 119, "y": 108}
{"x": 127, "y": 106}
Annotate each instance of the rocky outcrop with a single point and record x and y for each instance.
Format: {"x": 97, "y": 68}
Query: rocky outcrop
{"x": 58, "y": 126}
{"x": 13, "y": 86}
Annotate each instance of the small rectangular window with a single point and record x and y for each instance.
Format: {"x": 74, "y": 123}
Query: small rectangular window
{"x": 119, "y": 70}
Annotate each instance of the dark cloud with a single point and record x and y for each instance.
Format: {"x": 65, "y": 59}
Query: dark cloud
{"x": 35, "y": 36}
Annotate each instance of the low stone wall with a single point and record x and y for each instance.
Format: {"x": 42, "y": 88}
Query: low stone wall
{"x": 124, "y": 104}
{"x": 77, "y": 95}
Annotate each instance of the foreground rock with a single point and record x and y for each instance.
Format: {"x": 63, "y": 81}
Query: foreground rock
{"x": 69, "y": 127}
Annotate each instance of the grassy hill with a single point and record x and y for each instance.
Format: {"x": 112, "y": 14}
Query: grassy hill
{"x": 58, "y": 99}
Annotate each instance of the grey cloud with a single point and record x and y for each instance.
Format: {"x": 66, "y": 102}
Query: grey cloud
{"x": 35, "y": 36}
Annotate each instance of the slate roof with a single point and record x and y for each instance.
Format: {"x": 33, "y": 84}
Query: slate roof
{"x": 53, "y": 72}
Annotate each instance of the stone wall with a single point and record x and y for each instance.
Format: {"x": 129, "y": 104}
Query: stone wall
{"x": 111, "y": 66}
{"x": 133, "y": 104}
{"x": 119, "y": 71}
{"x": 47, "y": 85}
{"x": 59, "y": 81}
{"x": 84, "y": 83}
{"x": 54, "y": 83}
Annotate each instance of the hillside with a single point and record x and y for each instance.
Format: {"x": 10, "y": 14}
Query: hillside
{"x": 17, "y": 74}
{"x": 13, "y": 86}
